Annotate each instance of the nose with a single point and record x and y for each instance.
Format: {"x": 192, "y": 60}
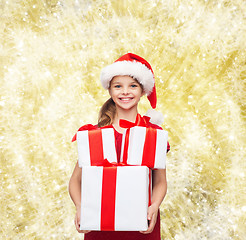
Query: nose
{"x": 125, "y": 90}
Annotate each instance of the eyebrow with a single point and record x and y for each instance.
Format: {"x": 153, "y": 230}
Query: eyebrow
{"x": 129, "y": 83}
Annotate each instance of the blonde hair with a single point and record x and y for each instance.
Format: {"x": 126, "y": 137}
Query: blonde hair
{"x": 107, "y": 113}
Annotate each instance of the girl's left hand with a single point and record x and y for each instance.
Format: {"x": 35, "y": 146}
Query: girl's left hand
{"x": 77, "y": 221}
{"x": 152, "y": 216}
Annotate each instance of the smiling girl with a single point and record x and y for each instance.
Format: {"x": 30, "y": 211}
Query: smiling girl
{"x": 127, "y": 80}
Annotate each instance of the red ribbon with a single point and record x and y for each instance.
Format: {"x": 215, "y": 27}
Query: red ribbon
{"x": 96, "y": 147}
{"x": 140, "y": 121}
{"x": 148, "y": 155}
{"x": 110, "y": 171}
{"x": 108, "y": 198}
{"x": 85, "y": 127}
{"x": 126, "y": 144}
{"x": 109, "y": 193}
{"x": 106, "y": 163}
{"x": 148, "y": 158}
{"x": 149, "y": 150}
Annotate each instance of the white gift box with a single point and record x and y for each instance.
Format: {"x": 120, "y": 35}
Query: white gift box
{"x": 145, "y": 147}
{"x": 114, "y": 198}
{"x": 96, "y": 145}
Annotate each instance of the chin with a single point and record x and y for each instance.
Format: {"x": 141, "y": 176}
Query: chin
{"x": 127, "y": 107}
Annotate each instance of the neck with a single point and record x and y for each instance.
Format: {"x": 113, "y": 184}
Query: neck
{"x": 129, "y": 115}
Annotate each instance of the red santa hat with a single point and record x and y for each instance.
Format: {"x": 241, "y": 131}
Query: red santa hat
{"x": 132, "y": 65}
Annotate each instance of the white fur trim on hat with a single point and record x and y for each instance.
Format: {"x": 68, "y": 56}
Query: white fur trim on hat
{"x": 155, "y": 116}
{"x": 129, "y": 68}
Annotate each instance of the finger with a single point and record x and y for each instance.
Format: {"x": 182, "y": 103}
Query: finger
{"x": 77, "y": 223}
{"x": 149, "y": 230}
{"x": 85, "y": 231}
{"x": 150, "y": 214}
{"x": 144, "y": 232}
{"x": 77, "y": 226}
{"x": 151, "y": 225}
{"x": 149, "y": 217}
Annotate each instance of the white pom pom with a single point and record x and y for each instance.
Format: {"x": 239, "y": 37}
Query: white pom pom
{"x": 155, "y": 116}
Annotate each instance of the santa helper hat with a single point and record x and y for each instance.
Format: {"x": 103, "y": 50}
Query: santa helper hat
{"x": 135, "y": 66}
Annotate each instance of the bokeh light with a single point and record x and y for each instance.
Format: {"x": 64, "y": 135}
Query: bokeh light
{"x": 52, "y": 53}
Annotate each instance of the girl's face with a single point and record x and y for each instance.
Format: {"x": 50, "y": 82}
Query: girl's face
{"x": 125, "y": 92}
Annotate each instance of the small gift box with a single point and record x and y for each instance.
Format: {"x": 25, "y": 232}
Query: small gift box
{"x": 114, "y": 198}
{"x": 144, "y": 146}
{"x": 96, "y": 145}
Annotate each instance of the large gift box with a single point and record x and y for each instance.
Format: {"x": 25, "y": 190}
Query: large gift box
{"x": 114, "y": 198}
{"x": 144, "y": 146}
{"x": 96, "y": 145}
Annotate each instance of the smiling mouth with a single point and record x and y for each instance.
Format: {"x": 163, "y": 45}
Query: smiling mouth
{"x": 125, "y": 99}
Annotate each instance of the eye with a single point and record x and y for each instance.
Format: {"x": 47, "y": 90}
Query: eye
{"x": 117, "y": 86}
{"x": 134, "y": 85}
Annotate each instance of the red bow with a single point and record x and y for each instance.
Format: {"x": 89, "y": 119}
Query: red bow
{"x": 106, "y": 163}
{"x": 140, "y": 121}
{"x": 85, "y": 127}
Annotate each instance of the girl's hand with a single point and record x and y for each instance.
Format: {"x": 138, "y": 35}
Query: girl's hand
{"x": 77, "y": 221}
{"x": 152, "y": 216}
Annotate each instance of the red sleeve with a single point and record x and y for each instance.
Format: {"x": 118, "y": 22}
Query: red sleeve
{"x": 158, "y": 127}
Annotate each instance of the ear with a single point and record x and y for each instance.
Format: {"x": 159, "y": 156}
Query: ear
{"x": 143, "y": 93}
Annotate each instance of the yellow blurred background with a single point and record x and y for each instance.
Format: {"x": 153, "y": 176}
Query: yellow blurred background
{"x": 51, "y": 55}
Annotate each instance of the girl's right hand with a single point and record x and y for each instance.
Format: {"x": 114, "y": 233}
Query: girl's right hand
{"x": 77, "y": 221}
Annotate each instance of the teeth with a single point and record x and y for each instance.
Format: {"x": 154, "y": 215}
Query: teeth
{"x": 125, "y": 99}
